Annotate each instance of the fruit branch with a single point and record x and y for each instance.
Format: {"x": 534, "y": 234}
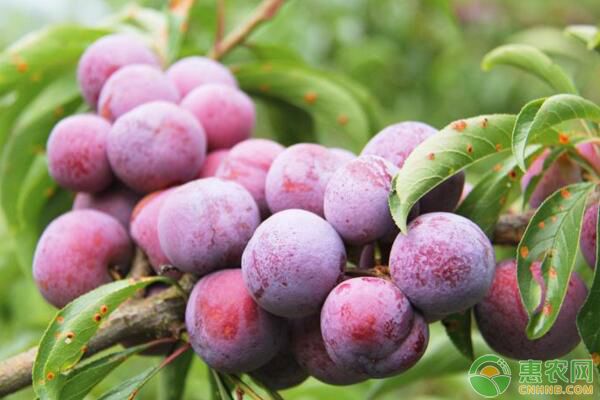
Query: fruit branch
{"x": 162, "y": 315}
{"x": 264, "y": 12}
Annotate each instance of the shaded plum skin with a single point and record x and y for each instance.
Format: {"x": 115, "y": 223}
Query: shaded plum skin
{"x": 292, "y": 262}
{"x": 364, "y": 319}
{"x": 105, "y": 56}
{"x": 247, "y": 164}
{"x": 309, "y": 350}
{"x": 445, "y": 264}
{"x": 212, "y": 162}
{"x": 406, "y": 355}
{"x": 76, "y": 152}
{"x": 227, "y": 329}
{"x": 396, "y": 142}
{"x": 191, "y": 72}
{"x": 155, "y": 146}
{"x": 75, "y": 252}
{"x": 589, "y": 235}
{"x": 298, "y": 178}
{"x": 356, "y": 200}
{"x": 502, "y": 318}
{"x": 144, "y": 229}
{"x": 132, "y": 86}
{"x": 591, "y": 152}
{"x": 560, "y": 173}
{"x": 281, "y": 372}
{"x": 205, "y": 225}
{"x": 117, "y": 201}
{"x": 226, "y": 113}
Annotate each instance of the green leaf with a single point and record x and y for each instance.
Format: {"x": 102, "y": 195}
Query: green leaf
{"x": 177, "y": 14}
{"x": 44, "y": 52}
{"x": 173, "y": 377}
{"x": 551, "y": 237}
{"x": 88, "y": 374}
{"x": 588, "y": 319}
{"x": 539, "y": 116}
{"x": 220, "y": 389}
{"x": 455, "y": 147}
{"x": 66, "y": 338}
{"x": 532, "y": 60}
{"x": 129, "y": 388}
{"x": 588, "y": 34}
{"x": 458, "y": 329}
{"x": 491, "y": 194}
{"x": 337, "y": 114}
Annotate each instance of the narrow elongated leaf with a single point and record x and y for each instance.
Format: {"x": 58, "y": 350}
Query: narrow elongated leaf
{"x": 220, "y": 390}
{"x": 66, "y": 338}
{"x": 552, "y": 238}
{"x": 128, "y": 389}
{"x": 177, "y": 13}
{"x": 88, "y": 374}
{"x": 540, "y": 116}
{"x": 337, "y": 114}
{"x": 455, "y": 147}
{"x": 491, "y": 194}
{"x": 532, "y": 60}
{"x": 458, "y": 329}
{"x": 174, "y": 376}
{"x": 588, "y": 319}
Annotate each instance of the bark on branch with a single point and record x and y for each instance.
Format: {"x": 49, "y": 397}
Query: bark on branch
{"x": 162, "y": 315}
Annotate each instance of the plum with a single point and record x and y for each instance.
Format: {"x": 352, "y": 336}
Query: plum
{"x": 132, "y": 86}
{"x": 343, "y": 154}
{"x": 212, "y": 162}
{"x": 281, "y": 372}
{"x": 205, "y": 225}
{"x": 292, "y": 262}
{"x": 247, "y": 164}
{"x": 155, "y": 146}
{"x": 105, "y": 56}
{"x": 591, "y": 153}
{"x": 309, "y": 350}
{"x": 364, "y": 320}
{"x": 117, "y": 201}
{"x": 227, "y": 329}
{"x": 502, "y": 318}
{"x": 191, "y": 72}
{"x": 562, "y": 172}
{"x": 298, "y": 178}
{"x": 396, "y": 142}
{"x": 226, "y": 113}
{"x": 144, "y": 229}
{"x": 445, "y": 264}
{"x": 76, "y": 251}
{"x": 589, "y": 234}
{"x": 356, "y": 200}
{"x": 76, "y": 152}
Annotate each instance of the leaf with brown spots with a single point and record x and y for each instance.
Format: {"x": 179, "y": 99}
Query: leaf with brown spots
{"x": 537, "y": 119}
{"x": 422, "y": 171}
{"x": 588, "y": 320}
{"x": 73, "y": 327}
{"x": 336, "y": 112}
{"x": 561, "y": 236}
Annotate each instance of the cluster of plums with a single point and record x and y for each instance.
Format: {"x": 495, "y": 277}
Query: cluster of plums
{"x": 167, "y": 162}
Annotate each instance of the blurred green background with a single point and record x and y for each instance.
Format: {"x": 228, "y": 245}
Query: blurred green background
{"x": 419, "y": 59}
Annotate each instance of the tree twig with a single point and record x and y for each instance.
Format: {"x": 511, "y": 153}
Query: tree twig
{"x": 220, "y": 28}
{"x": 264, "y": 12}
{"x": 162, "y": 315}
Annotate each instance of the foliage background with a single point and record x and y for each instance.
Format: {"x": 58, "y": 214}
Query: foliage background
{"x": 420, "y": 60}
